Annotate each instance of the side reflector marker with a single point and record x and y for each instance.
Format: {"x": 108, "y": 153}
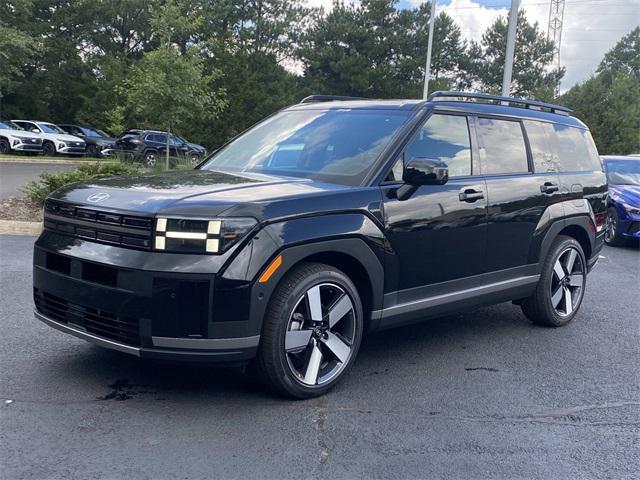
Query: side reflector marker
{"x": 273, "y": 266}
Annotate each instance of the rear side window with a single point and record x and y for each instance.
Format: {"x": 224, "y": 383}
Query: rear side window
{"x": 543, "y": 151}
{"x": 502, "y": 147}
{"x": 575, "y": 149}
{"x": 446, "y": 138}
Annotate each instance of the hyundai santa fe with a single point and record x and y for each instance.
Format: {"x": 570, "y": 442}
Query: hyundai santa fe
{"x": 331, "y": 218}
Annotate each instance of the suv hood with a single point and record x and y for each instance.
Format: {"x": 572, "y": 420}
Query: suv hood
{"x": 191, "y": 193}
{"x": 19, "y": 133}
{"x": 62, "y": 137}
{"x": 629, "y": 194}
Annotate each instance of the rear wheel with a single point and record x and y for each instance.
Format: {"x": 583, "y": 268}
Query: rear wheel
{"x": 150, "y": 159}
{"x": 312, "y": 331}
{"x": 612, "y": 234}
{"x": 560, "y": 290}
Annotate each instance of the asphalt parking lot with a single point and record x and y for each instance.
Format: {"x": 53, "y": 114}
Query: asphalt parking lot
{"x": 13, "y": 175}
{"x": 479, "y": 395}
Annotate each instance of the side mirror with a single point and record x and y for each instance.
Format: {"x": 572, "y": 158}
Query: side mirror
{"x": 425, "y": 171}
{"x": 35, "y": 130}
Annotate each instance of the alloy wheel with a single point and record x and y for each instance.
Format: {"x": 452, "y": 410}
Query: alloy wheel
{"x": 567, "y": 282}
{"x": 150, "y": 159}
{"x": 610, "y": 227}
{"x": 4, "y": 146}
{"x": 320, "y": 334}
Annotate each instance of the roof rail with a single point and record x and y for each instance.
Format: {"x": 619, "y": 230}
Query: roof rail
{"x": 329, "y": 98}
{"x": 511, "y": 101}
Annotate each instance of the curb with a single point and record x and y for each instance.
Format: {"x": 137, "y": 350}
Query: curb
{"x": 14, "y": 227}
{"x": 48, "y": 161}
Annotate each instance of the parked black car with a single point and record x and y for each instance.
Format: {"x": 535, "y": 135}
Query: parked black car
{"x": 150, "y": 146}
{"x": 327, "y": 220}
{"x": 99, "y": 143}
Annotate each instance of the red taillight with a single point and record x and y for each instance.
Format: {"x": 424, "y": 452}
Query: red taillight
{"x": 601, "y": 219}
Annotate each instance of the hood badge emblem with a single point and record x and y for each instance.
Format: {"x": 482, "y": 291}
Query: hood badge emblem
{"x": 98, "y": 197}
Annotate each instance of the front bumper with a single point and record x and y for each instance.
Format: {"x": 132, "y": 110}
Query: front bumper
{"x": 72, "y": 150}
{"x": 149, "y": 304}
{"x": 174, "y": 349}
{"x": 27, "y": 147}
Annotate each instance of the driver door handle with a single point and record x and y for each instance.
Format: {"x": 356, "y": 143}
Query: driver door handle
{"x": 470, "y": 195}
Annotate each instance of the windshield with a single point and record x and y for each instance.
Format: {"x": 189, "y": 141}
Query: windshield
{"x": 92, "y": 133}
{"x": 6, "y": 124}
{"x": 51, "y": 128}
{"x": 623, "y": 172}
{"x": 330, "y": 145}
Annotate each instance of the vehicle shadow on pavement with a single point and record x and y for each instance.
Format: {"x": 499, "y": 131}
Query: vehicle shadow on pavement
{"x": 121, "y": 377}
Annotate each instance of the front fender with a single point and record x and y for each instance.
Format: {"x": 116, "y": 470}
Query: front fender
{"x": 353, "y": 234}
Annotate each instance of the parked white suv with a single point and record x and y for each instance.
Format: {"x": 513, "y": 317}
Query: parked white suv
{"x": 14, "y": 139}
{"x": 55, "y": 140}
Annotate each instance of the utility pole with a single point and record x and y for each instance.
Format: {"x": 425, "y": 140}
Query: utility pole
{"x": 511, "y": 46}
{"x": 554, "y": 31}
{"x": 427, "y": 69}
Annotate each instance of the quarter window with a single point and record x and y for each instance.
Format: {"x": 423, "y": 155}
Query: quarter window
{"x": 445, "y": 138}
{"x": 576, "y": 149}
{"x": 502, "y": 147}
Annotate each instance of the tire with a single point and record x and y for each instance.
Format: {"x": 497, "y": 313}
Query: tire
{"x": 551, "y": 305}
{"x": 612, "y": 233}
{"x": 150, "y": 158}
{"x": 4, "y": 146}
{"x": 194, "y": 160}
{"x": 92, "y": 151}
{"x": 305, "y": 351}
{"x": 49, "y": 149}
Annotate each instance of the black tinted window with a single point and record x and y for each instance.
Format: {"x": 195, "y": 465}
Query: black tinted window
{"x": 446, "y": 138}
{"x": 541, "y": 135}
{"x": 502, "y": 147}
{"x": 576, "y": 150}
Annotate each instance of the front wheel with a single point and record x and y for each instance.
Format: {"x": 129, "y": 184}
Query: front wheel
{"x": 612, "y": 229}
{"x": 4, "y": 146}
{"x": 312, "y": 331}
{"x": 49, "y": 149}
{"x": 560, "y": 290}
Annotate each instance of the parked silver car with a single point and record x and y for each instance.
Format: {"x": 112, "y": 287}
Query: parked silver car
{"x": 55, "y": 140}
{"x": 15, "y": 139}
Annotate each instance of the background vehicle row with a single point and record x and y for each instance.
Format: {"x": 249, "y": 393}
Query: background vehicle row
{"x": 77, "y": 140}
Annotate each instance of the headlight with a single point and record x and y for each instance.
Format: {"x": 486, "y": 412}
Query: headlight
{"x": 191, "y": 235}
{"x": 631, "y": 209}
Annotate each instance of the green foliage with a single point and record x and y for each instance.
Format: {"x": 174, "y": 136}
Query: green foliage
{"x": 169, "y": 89}
{"x": 209, "y": 69}
{"x": 533, "y": 56}
{"x": 609, "y": 102}
{"x": 38, "y": 191}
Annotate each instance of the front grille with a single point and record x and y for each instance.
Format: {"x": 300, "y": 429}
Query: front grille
{"x": 99, "y": 226}
{"x": 98, "y": 322}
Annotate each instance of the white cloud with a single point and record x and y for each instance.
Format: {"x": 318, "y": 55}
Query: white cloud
{"x": 590, "y": 27}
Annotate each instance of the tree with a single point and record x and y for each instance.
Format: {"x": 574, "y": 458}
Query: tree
{"x": 624, "y": 57}
{"x": 376, "y": 49}
{"x": 532, "y": 76}
{"x": 609, "y": 102}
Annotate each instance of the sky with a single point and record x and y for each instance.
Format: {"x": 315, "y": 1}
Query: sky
{"x": 590, "y": 27}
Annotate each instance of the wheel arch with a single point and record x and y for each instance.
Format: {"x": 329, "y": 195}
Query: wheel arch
{"x": 352, "y": 256}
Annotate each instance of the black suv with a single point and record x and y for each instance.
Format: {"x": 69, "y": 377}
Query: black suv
{"x": 329, "y": 219}
{"x": 150, "y": 147}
